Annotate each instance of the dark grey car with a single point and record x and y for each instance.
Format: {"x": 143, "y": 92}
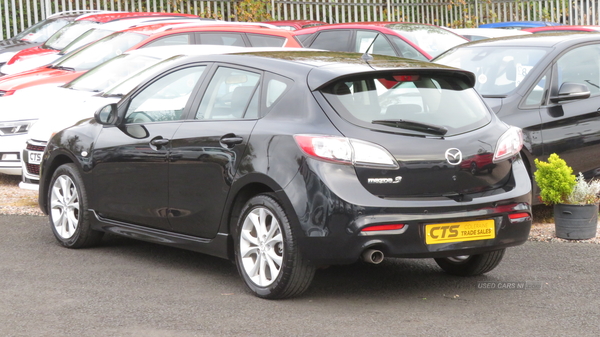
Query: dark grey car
{"x": 548, "y": 85}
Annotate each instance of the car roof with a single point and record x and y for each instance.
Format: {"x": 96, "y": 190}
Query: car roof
{"x": 535, "y": 40}
{"x": 114, "y": 16}
{"x": 322, "y": 67}
{"x": 167, "y": 29}
{"x": 519, "y": 24}
{"x": 372, "y": 24}
{"x": 490, "y": 32}
{"x": 563, "y": 28}
{"x": 188, "y": 49}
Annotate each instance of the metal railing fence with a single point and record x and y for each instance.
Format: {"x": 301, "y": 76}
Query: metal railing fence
{"x": 16, "y": 15}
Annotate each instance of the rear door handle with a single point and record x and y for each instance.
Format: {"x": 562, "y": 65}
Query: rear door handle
{"x": 231, "y": 140}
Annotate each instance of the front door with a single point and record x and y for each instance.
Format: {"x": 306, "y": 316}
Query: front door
{"x": 131, "y": 166}
{"x": 571, "y": 129}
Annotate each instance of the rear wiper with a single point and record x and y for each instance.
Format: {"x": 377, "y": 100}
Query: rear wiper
{"x": 412, "y": 125}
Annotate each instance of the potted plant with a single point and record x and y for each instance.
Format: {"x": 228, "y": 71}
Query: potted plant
{"x": 575, "y": 200}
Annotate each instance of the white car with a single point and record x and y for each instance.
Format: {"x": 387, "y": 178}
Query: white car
{"x": 19, "y": 112}
{"x": 84, "y": 98}
{"x": 99, "y": 31}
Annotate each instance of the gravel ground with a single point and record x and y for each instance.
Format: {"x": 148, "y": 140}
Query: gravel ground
{"x": 17, "y": 201}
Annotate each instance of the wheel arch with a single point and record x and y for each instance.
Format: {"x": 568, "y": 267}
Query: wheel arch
{"x": 48, "y": 172}
{"x": 243, "y": 190}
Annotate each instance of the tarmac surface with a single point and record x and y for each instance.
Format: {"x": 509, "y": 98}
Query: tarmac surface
{"x": 131, "y": 288}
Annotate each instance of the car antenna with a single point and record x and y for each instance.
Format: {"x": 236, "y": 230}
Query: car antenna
{"x": 366, "y": 56}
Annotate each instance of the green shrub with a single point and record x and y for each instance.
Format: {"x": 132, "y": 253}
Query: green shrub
{"x": 555, "y": 180}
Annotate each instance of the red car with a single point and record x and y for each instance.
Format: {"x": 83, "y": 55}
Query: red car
{"x": 163, "y": 34}
{"x": 409, "y": 40}
{"x": 296, "y": 24}
{"x": 558, "y": 29}
{"x": 66, "y": 35}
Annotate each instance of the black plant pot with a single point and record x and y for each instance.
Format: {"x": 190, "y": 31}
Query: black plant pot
{"x": 575, "y": 222}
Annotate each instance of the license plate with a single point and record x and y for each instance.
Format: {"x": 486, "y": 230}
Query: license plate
{"x": 35, "y": 157}
{"x": 460, "y": 231}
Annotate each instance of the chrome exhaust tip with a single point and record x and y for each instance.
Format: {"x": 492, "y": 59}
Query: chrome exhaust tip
{"x": 373, "y": 256}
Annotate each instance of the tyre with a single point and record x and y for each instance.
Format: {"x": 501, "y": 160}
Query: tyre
{"x": 68, "y": 214}
{"x": 471, "y": 265}
{"x": 266, "y": 254}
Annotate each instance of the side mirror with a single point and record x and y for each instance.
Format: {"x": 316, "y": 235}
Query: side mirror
{"x": 107, "y": 115}
{"x": 571, "y": 91}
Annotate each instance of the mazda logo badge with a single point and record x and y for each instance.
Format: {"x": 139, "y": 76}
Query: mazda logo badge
{"x": 453, "y": 156}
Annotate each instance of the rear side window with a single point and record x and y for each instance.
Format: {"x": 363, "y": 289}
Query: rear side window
{"x": 257, "y": 40}
{"x": 334, "y": 40}
{"x": 222, "y": 39}
{"x": 173, "y": 40}
{"x": 409, "y": 103}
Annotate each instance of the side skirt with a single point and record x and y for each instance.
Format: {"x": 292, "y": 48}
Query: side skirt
{"x": 218, "y": 246}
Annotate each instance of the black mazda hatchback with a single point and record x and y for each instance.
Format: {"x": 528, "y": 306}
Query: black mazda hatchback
{"x": 286, "y": 161}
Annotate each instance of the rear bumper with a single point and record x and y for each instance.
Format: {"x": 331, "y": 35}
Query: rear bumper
{"x": 330, "y": 221}
{"x": 341, "y": 249}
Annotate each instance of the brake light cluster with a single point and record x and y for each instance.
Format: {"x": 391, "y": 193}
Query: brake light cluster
{"x": 347, "y": 151}
{"x": 509, "y": 144}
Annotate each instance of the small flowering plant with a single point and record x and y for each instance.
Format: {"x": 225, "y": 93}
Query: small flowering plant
{"x": 584, "y": 193}
{"x": 558, "y": 184}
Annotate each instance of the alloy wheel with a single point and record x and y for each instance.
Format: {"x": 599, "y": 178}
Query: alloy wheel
{"x": 64, "y": 206}
{"x": 261, "y": 246}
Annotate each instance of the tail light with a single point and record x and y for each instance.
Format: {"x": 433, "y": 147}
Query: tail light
{"x": 347, "y": 151}
{"x": 509, "y": 144}
{"x": 389, "y": 229}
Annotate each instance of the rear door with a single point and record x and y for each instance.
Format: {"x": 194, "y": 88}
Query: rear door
{"x": 208, "y": 147}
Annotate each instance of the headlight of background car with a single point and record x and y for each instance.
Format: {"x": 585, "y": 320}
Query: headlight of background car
{"x": 16, "y": 127}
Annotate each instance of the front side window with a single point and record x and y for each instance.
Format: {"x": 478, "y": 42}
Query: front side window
{"x": 334, "y": 40}
{"x": 165, "y": 99}
{"x": 432, "y": 39}
{"x": 406, "y": 50}
{"x": 409, "y": 103}
{"x": 373, "y": 42}
{"x": 536, "y": 96}
{"x": 581, "y": 65}
{"x": 258, "y": 40}
{"x": 231, "y": 94}
{"x": 173, "y": 40}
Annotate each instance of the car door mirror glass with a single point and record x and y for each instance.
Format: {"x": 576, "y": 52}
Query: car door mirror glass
{"x": 136, "y": 131}
{"x": 107, "y": 115}
{"x": 571, "y": 91}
